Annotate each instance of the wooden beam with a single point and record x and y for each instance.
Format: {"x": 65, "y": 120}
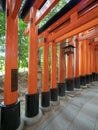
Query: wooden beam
{"x": 89, "y": 35}
{"x": 45, "y": 10}
{"x": 90, "y": 17}
{"x": 16, "y": 7}
{"x": 83, "y": 4}
{"x": 38, "y": 3}
{"x": 88, "y": 20}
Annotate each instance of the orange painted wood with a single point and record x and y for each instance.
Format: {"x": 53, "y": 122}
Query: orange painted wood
{"x": 96, "y": 61}
{"x": 61, "y": 64}
{"x": 33, "y": 56}
{"x": 69, "y": 69}
{"x": 53, "y": 66}
{"x": 81, "y": 58}
{"x": 38, "y": 3}
{"x": 46, "y": 10}
{"x": 11, "y": 56}
{"x": 27, "y": 18}
{"x": 77, "y": 8}
{"x": 16, "y": 7}
{"x": 85, "y": 60}
{"x": 92, "y": 58}
{"x": 76, "y": 59}
{"x": 45, "y": 74}
{"x": 69, "y": 65}
{"x": 78, "y": 25}
{"x": 90, "y": 34}
{"x": 88, "y": 58}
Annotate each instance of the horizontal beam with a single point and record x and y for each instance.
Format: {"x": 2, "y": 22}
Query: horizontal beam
{"x": 75, "y": 26}
{"x": 78, "y": 30}
{"x": 16, "y": 7}
{"x": 89, "y": 35}
{"x": 45, "y": 10}
{"x": 38, "y": 3}
{"x": 79, "y": 8}
{"x": 58, "y": 15}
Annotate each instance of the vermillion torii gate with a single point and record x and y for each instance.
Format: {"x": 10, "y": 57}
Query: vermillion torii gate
{"x": 73, "y": 19}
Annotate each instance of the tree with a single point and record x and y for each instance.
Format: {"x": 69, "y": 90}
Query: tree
{"x": 23, "y": 46}
{"x": 2, "y": 41}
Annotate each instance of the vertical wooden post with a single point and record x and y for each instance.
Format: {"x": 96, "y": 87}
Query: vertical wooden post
{"x": 45, "y": 100}
{"x": 10, "y": 109}
{"x": 82, "y": 64}
{"x": 53, "y": 89}
{"x": 91, "y": 77}
{"x": 32, "y": 97}
{"x": 87, "y": 62}
{"x": 96, "y": 65}
{"x": 76, "y": 64}
{"x": 69, "y": 72}
{"x": 61, "y": 82}
{"x": 93, "y": 62}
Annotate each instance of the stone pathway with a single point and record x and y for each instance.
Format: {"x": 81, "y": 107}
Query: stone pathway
{"x": 77, "y": 113}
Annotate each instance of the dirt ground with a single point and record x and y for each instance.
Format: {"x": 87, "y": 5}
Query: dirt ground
{"x": 22, "y": 86}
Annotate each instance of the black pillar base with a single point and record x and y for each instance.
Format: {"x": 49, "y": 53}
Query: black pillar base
{"x": 31, "y": 105}
{"x": 45, "y": 99}
{"x": 94, "y": 76}
{"x": 87, "y": 79}
{"x": 10, "y": 116}
{"x": 61, "y": 89}
{"x": 54, "y": 94}
{"x": 91, "y": 78}
{"x": 69, "y": 84}
{"x": 83, "y": 80}
{"x": 77, "y": 82}
{"x": 97, "y": 76}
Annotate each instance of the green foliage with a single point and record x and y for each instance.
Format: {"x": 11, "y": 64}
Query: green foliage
{"x": 23, "y": 45}
{"x": 2, "y": 41}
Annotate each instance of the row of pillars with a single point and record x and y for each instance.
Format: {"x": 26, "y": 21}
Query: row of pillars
{"x": 81, "y": 67}
{"x": 10, "y": 118}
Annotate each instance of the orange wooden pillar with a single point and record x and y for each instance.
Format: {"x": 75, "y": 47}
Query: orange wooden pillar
{"x": 90, "y": 65}
{"x": 69, "y": 72}
{"x": 10, "y": 109}
{"x": 82, "y": 63}
{"x": 93, "y": 61}
{"x": 45, "y": 96}
{"x": 61, "y": 81}
{"x": 96, "y": 63}
{"x": 53, "y": 89}
{"x": 87, "y": 62}
{"x": 80, "y": 59}
{"x": 32, "y": 97}
{"x": 76, "y": 64}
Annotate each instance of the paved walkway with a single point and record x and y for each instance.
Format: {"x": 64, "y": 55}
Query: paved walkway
{"x": 76, "y": 113}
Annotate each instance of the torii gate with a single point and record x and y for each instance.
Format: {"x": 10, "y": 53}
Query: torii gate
{"x": 72, "y": 22}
